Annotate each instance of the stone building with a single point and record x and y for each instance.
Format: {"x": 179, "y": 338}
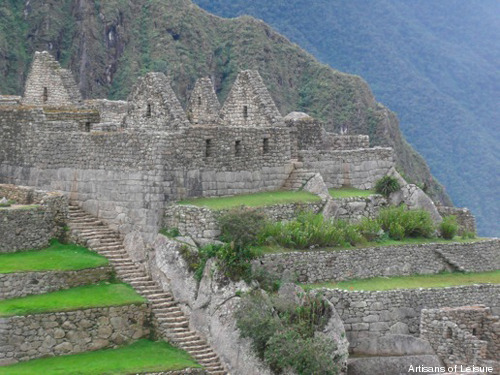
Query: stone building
{"x": 125, "y": 161}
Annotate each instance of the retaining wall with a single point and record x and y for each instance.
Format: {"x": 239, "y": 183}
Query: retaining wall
{"x": 319, "y": 266}
{"x": 21, "y": 284}
{"x": 70, "y": 332}
{"x": 368, "y": 315}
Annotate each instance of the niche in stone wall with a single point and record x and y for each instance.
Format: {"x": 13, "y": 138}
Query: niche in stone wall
{"x": 245, "y": 112}
{"x": 45, "y": 95}
{"x": 237, "y": 148}
{"x": 448, "y": 333}
{"x": 88, "y": 127}
{"x": 265, "y": 145}
{"x": 148, "y": 111}
{"x": 208, "y": 148}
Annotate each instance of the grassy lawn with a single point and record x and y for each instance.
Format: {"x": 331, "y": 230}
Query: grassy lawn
{"x": 350, "y": 192}
{"x": 56, "y": 257}
{"x": 253, "y": 200}
{"x": 412, "y": 282}
{"x": 140, "y": 357}
{"x": 99, "y": 295}
{"x": 388, "y": 242}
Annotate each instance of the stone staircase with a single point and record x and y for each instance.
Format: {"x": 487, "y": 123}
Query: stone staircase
{"x": 298, "y": 177}
{"x": 170, "y": 321}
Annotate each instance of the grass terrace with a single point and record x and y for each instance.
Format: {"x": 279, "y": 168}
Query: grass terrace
{"x": 143, "y": 356}
{"x": 98, "y": 295}
{"x": 57, "y": 256}
{"x": 441, "y": 280}
{"x": 253, "y": 200}
{"x": 350, "y": 193}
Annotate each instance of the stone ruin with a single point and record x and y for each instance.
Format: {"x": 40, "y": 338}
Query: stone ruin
{"x": 126, "y": 162}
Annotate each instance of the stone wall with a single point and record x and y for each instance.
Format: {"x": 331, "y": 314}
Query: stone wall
{"x": 30, "y": 226}
{"x": 111, "y": 111}
{"x": 465, "y": 336}
{"x": 320, "y": 266}
{"x": 465, "y": 219}
{"x": 345, "y": 142}
{"x": 20, "y": 284}
{"x": 70, "y": 332}
{"x": 359, "y": 168}
{"x": 368, "y": 315}
{"x": 202, "y": 222}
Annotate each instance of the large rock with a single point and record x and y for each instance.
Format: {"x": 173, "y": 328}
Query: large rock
{"x": 415, "y": 198}
{"x": 394, "y": 345}
{"x": 316, "y": 185}
{"x": 391, "y": 365}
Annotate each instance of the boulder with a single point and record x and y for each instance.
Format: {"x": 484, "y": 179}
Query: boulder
{"x": 394, "y": 345}
{"x": 391, "y": 365}
{"x": 415, "y": 199}
{"x": 316, "y": 185}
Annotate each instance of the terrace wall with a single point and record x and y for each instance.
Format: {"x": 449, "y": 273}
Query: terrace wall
{"x": 20, "y": 284}
{"x": 320, "y": 266}
{"x": 371, "y": 314}
{"x": 70, "y": 332}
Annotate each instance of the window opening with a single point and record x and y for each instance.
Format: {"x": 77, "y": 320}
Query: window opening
{"x": 208, "y": 148}
{"x": 45, "y": 94}
{"x": 265, "y": 145}
{"x": 88, "y": 127}
{"x": 148, "y": 111}
{"x": 245, "y": 111}
{"x": 237, "y": 148}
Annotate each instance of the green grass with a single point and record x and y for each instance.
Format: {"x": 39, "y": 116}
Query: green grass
{"x": 140, "y": 357}
{"x": 350, "y": 192}
{"x": 388, "y": 242}
{"x": 56, "y": 257}
{"x": 412, "y": 282}
{"x": 253, "y": 200}
{"x": 99, "y": 295}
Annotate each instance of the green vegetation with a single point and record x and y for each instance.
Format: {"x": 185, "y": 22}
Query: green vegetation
{"x": 350, "y": 192}
{"x": 100, "y": 295}
{"x": 253, "y": 200}
{"x": 448, "y": 227}
{"x": 9, "y": 203}
{"x": 58, "y": 256}
{"x": 310, "y": 230}
{"x": 387, "y": 185}
{"x": 285, "y": 333}
{"x": 143, "y": 356}
{"x": 441, "y": 280}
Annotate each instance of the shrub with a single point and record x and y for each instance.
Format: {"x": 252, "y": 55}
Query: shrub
{"x": 241, "y": 226}
{"x": 396, "y": 231}
{"x": 7, "y": 203}
{"x": 309, "y": 230}
{"x": 468, "y": 235}
{"x": 285, "y": 334}
{"x": 370, "y": 229}
{"x": 415, "y": 223}
{"x": 448, "y": 227}
{"x": 387, "y": 185}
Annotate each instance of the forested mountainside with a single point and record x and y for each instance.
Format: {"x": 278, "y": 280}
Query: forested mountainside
{"x": 435, "y": 63}
{"x": 109, "y": 44}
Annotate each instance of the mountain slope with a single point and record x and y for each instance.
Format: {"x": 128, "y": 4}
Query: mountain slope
{"x": 434, "y": 62}
{"x": 108, "y": 44}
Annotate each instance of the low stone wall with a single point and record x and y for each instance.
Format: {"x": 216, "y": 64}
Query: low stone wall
{"x": 70, "y": 332}
{"x": 25, "y": 228}
{"x": 465, "y": 219}
{"x": 464, "y": 336}
{"x": 319, "y": 266}
{"x": 202, "y": 222}
{"x": 21, "y": 284}
{"x": 31, "y": 227}
{"x": 359, "y": 168}
{"x": 368, "y": 315}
